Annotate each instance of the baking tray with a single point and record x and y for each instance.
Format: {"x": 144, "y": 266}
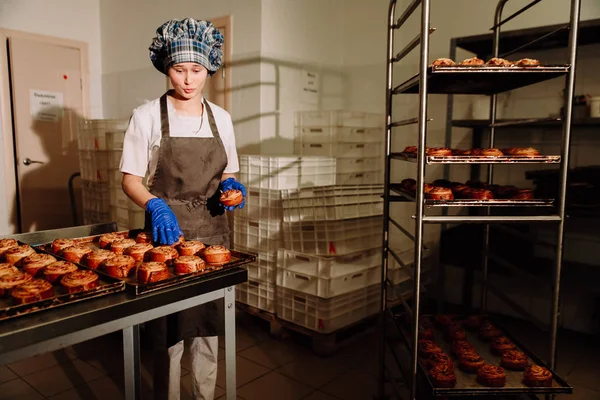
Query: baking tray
{"x": 131, "y": 283}
{"x": 107, "y": 285}
{"x": 466, "y": 383}
{"x": 481, "y": 79}
{"x": 476, "y": 203}
{"x": 411, "y": 157}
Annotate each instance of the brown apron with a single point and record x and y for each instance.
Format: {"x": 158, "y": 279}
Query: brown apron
{"x": 187, "y": 177}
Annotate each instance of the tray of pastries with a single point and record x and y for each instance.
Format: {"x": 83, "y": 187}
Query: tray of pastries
{"x": 32, "y": 280}
{"x": 513, "y": 155}
{"x": 131, "y": 257}
{"x": 477, "y": 76}
{"x": 470, "y": 355}
{"x": 443, "y": 193}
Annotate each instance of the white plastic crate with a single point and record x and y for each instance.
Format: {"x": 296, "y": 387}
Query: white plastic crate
{"x": 328, "y": 277}
{"x": 257, "y": 235}
{"x": 354, "y": 165}
{"x": 286, "y": 172}
{"x": 96, "y": 202}
{"x": 261, "y": 295}
{"x": 332, "y": 203}
{"x": 334, "y": 134}
{"x": 262, "y": 204}
{"x": 339, "y": 118}
{"x": 264, "y": 269}
{"x": 359, "y": 178}
{"x": 339, "y": 150}
{"x": 329, "y": 238}
{"x": 126, "y": 218}
{"x": 102, "y": 134}
{"x": 327, "y": 315}
{"x": 93, "y": 165}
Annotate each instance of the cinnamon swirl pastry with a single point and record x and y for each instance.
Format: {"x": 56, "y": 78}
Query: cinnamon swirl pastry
{"x": 80, "y": 281}
{"x": 472, "y": 61}
{"x": 57, "y": 270}
{"x": 32, "y": 291}
{"x": 118, "y": 246}
{"x": 470, "y": 361}
{"x": 488, "y": 331}
{"x": 499, "y": 62}
{"x": 455, "y": 332}
{"x": 536, "y": 376}
{"x": 75, "y": 253}
{"x": 35, "y": 263}
{"x": 95, "y": 258}
{"x": 443, "y": 62}
{"x": 428, "y": 347}
{"x": 231, "y": 197}
{"x": 481, "y": 194}
{"x": 59, "y": 244}
{"x": 216, "y": 255}
{"x": 189, "y": 265}
{"x": 119, "y": 266}
{"x": 427, "y": 188}
{"x": 150, "y": 272}
{"x": 164, "y": 254}
{"x": 439, "y": 151}
{"x": 461, "y": 346}
{"x": 443, "y": 376}
{"x": 6, "y": 268}
{"x": 10, "y": 280}
{"x": 191, "y": 248}
{"x": 6, "y": 244}
{"x": 527, "y": 62}
{"x": 522, "y": 151}
{"x": 138, "y": 251}
{"x": 523, "y": 194}
{"x": 440, "y": 193}
{"x": 439, "y": 359}
{"x": 491, "y": 376}
{"x": 144, "y": 237}
{"x": 410, "y": 149}
{"x": 501, "y": 344}
{"x": 15, "y": 254}
{"x": 408, "y": 184}
{"x": 491, "y": 153}
{"x": 106, "y": 240}
{"x": 514, "y": 360}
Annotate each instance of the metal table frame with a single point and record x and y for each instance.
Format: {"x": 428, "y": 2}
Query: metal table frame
{"x": 52, "y": 330}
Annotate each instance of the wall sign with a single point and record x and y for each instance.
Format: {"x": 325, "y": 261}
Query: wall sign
{"x": 46, "y": 106}
{"x": 310, "y": 87}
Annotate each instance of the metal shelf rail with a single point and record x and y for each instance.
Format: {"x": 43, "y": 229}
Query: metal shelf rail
{"x": 426, "y": 74}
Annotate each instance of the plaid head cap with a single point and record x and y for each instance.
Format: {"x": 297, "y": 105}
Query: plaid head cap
{"x": 187, "y": 40}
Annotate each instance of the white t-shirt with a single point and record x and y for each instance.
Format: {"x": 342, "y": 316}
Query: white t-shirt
{"x": 142, "y": 138}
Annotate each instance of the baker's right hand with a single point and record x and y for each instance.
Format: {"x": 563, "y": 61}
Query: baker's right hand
{"x": 165, "y": 228}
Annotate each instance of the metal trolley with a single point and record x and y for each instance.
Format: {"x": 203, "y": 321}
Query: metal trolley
{"x": 464, "y": 80}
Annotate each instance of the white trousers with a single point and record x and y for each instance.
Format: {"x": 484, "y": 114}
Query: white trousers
{"x": 203, "y": 358}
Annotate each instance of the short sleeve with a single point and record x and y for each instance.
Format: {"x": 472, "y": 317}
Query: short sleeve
{"x": 134, "y": 160}
{"x": 228, "y": 137}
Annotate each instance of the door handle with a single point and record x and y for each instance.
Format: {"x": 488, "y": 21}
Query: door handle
{"x": 29, "y": 161}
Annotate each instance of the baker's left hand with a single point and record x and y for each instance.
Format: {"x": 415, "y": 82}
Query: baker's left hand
{"x": 229, "y": 184}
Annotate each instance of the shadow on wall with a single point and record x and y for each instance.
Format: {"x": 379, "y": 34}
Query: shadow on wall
{"x": 44, "y": 167}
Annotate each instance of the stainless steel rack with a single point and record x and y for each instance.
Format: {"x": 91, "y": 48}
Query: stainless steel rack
{"x": 464, "y": 80}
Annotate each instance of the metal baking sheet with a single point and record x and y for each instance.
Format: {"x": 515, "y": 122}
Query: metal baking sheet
{"x": 466, "y": 383}
{"x": 463, "y": 79}
{"x": 106, "y": 286}
{"x": 131, "y": 282}
{"x": 411, "y": 157}
{"x": 476, "y": 203}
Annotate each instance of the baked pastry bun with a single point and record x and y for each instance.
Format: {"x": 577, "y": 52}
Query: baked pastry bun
{"x": 409, "y": 184}
{"x": 491, "y": 376}
{"x": 499, "y": 62}
{"x": 191, "y": 248}
{"x": 144, "y": 237}
{"x": 523, "y": 194}
{"x": 455, "y": 332}
{"x": 138, "y": 251}
{"x": 443, "y": 376}
{"x": 439, "y": 359}
{"x": 470, "y": 361}
{"x": 118, "y": 247}
{"x": 59, "y": 244}
{"x": 53, "y": 272}
{"x": 472, "y": 61}
{"x": 427, "y": 347}
{"x": 32, "y": 291}
{"x": 188, "y": 265}
{"x": 15, "y": 254}
{"x": 522, "y": 151}
{"x": 106, "y": 240}
{"x": 119, "y": 266}
{"x": 35, "y": 263}
{"x": 80, "y": 281}
{"x": 150, "y": 272}
{"x": 488, "y": 331}
{"x": 536, "y": 376}
{"x": 461, "y": 346}
{"x": 501, "y": 344}
{"x": 480, "y": 194}
{"x": 440, "y": 193}
{"x": 6, "y": 268}
{"x": 6, "y": 244}
{"x": 231, "y": 197}
{"x": 439, "y": 151}
{"x": 491, "y": 152}
{"x": 410, "y": 149}
{"x": 506, "y": 192}
{"x": 75, "y": 253}
{"x": 514, "y": 360}
{"x": 10, "y": 280}
{"x": 527, "y": 62}
{"x": 94, "y": 258}
{"x": 216, "y": 255}
{"x": 443, "y": 62}
{"x": 164, "y": 254}
{"x": 426, "y": 333}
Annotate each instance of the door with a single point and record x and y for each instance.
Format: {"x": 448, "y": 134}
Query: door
{"x": 47, "y": 102}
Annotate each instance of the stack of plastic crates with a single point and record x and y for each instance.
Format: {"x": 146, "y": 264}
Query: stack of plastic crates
{"x": 257, "y": 228}
{"x": 355, "y": 139}
{"x": 100, "y": 148}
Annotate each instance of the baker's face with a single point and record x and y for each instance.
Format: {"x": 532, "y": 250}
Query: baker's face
{"x": 188, "y": 79}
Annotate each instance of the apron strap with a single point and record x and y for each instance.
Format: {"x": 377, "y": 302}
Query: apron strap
{"x": 164, "y": 117}
{"x": 211, "y": 120}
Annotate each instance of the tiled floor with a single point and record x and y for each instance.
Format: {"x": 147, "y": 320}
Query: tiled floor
{"x": 267, "y": 369}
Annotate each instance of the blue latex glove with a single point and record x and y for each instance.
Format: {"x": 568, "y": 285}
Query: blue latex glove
{"x": 165, "y": 228}
{"x": 229, "y": 184}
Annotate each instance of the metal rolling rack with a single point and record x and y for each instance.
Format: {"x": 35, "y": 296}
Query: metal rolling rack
{"x": 432, "y": 80}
